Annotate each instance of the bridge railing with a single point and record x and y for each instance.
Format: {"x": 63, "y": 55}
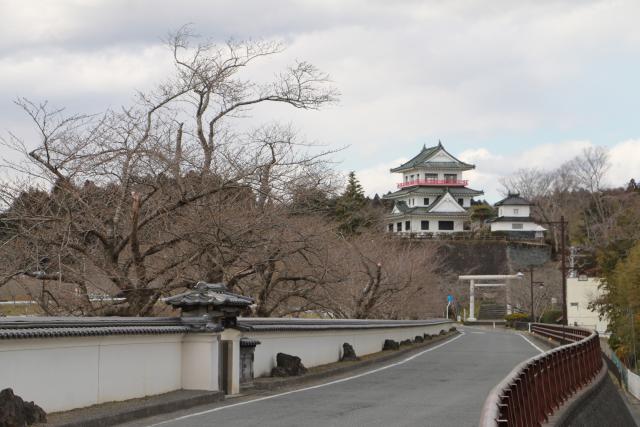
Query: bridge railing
{"x": 537, "y": 387}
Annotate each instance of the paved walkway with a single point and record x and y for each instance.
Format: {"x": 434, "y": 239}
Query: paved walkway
{"x": 444, "y": 385}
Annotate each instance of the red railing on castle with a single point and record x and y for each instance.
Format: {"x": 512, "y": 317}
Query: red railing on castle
{"x": 539, "y": 386}
{"x": 447, "y": 182}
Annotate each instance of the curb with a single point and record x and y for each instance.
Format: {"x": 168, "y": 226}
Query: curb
{"x": 271, "y": 383}
{"x": 146, "y": 409}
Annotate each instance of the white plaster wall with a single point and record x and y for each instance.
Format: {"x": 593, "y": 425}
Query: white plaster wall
{"x": 322, "y": 347}
{"x": 200, "y": 362}
{"x": 583, "y": 292}
{"x": 458, "y": 225}
{"x": 66, "y": 373}
{"x": 523, "y": 211}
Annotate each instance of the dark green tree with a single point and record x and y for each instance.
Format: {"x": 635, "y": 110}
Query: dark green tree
{"x": 351, "y": 208}
{"x": 482, "y": 212}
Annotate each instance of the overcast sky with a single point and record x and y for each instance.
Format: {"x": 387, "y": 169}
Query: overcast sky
{"x": 502, "y": 84}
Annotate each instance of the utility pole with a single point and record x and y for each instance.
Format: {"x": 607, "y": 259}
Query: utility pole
{"x": 563, "y": 268}
{"x": 564, "y": 271}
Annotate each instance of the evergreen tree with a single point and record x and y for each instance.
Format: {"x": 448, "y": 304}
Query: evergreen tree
{"x": 482, "y": 212}
{"x": 351, "y": 212}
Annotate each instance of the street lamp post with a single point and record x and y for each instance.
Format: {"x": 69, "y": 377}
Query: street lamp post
{"x": 533, "y": 317}
{"x": 531, "y": 283}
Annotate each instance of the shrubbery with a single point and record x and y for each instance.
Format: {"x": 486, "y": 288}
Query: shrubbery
{"x": 516, "y": 317}
{"x": 551, "y": 316}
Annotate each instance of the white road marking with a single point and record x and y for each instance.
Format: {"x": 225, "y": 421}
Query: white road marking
{"x": 531, "y": 342}
{"x": 373, "y": 371}
{"x": 465, "y": 327}
{"x": 480, "y": 333}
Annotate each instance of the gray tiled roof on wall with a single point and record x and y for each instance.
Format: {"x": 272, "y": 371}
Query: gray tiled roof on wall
{"x": 275, "y": 324}
{"x": 209, "y": 294}
{"x": 42, "y": 327}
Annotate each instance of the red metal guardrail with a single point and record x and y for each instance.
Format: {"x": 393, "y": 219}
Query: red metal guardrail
{"x": 537, "y": 387}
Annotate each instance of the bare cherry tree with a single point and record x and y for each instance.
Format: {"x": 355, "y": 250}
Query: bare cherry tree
{"x": 115, "y": 204}
{"x": 381, "y": 278}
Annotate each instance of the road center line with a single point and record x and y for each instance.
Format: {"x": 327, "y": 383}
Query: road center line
{"x": 531, "y": 342}
{"x": 341, "y": 380}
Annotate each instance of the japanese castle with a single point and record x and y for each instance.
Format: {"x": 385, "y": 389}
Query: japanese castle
{"x": 432, "y": 197}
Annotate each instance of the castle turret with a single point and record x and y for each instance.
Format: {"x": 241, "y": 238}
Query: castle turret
{"x": 432, "y": 196}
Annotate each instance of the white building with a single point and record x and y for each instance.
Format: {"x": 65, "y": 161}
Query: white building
{"x": 580, "y": 292}
{"x": 514, "y": 216}
{"x": 432, "y": 197}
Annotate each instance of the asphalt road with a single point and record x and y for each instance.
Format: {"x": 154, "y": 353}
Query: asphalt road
{"x": 442, "y": 386}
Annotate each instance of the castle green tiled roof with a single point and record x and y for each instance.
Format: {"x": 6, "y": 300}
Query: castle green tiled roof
{"x": 514, "y": 199}
{"x": 512, "y": 219}
{"x": 455, "y": 191}
{"x": 426, "y": 153}
{"x": 426, "y": 210}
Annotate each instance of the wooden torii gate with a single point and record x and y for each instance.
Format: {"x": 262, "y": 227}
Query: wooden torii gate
{"x": 472, "y": 285}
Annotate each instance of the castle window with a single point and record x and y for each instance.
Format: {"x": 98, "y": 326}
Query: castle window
{"x": 450, "y": 177}
{"x": 424, "y": 225}
{"x": 399, "y": 226}
{"x": 461, "y": 202}
{"x": 431, "y": 176}
{"x": 407, "y": 225}
{"x": 445, "y": 225}
{"x": 426, "y": 201}
{"x": 515, "y": 211}
{"x": 390, "y": 227}
{"x": 517, "y": 226}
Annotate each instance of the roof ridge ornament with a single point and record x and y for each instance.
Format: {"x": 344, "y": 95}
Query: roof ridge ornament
{"x": 439, "y": 143}
{"x": 211, "y": 303}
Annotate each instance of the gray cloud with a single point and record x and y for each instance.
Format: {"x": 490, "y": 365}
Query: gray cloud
{"x": 502, "y": 76}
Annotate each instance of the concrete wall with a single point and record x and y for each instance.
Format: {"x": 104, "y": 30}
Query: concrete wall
{"x": 66, "y": 373}
{"x": 322, "y": 347}
{"x": 579, "y": 294}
